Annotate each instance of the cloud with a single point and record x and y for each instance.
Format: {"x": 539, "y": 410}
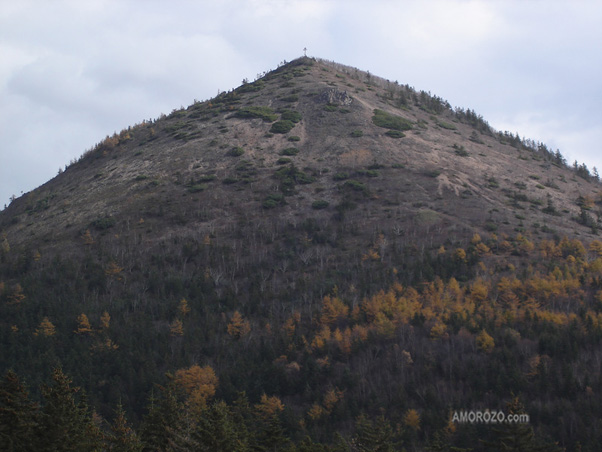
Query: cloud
{"x": 73, "y": 72}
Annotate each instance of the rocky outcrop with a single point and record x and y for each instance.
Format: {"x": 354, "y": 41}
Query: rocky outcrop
{"x": 333, "y": 96}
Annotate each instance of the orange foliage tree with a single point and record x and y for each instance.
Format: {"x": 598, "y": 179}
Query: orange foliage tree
{"x": 238, "y": 327}
{"x": 333, "y": 310}
{"x": 83, "y": 324}
{"x": 269, "y": 406}
{"x": 46, "y": 328}
{"x": 198, "y": 383}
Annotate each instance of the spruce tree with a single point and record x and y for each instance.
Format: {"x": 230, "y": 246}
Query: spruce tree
{"x": 122, "y": 437}
{"x": 217, "y": 430}
{"x": 373, "y": 436}
{"x": 18, "y": 415}
{"x": 271, "y": 437}
{"x": 65, "y": 421}
{"x": 516, "y": 436}
{"x": 161, "y": 423}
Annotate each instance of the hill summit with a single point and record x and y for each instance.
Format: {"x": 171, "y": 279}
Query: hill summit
{"x": 309, "y": 131}
{"x": 343, "y": 243}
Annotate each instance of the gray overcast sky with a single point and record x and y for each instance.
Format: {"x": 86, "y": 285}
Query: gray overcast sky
{"x": 72, "y": 72}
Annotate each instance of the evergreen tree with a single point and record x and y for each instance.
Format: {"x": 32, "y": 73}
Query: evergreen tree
{"x": 160, "y": 425}
{"x": 217, "y": 430}
{"x": 18, "y": 415}
{"x": 271, "y": 437}
{"x": 65, "y": 422}
{"x": 516, "y": 436}
{"x": 373, "y": 436}
{"x": 122, "y": 437}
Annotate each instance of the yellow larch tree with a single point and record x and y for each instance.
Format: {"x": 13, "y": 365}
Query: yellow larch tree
{"x": 183, "y": 307}
{"x": 105, "y": 320}
{"x": 321, "y": 338}
{"x": 439, "y": 330}
{"x": 289, "y": 327}
{"x": 114, "y": 271}
{"x": 479, "y": 291}
{"x": 238, "y": 326}
{"x": 411, "y": 419}
{"x": 46, "y": 328}
{"x": 83, "y": 324}
{"x": 482, "y": 249}
{"x": 176, "y": 328}
{"x": 460, "y": 255}
{"x": 315, "y": 412}
{"x": 331, "y": 398}
{"x": 333, "y": 310}
{"x": 87, "y": 238}
{"x": 549, "y": 250}
{"x": 596, "y": 247}
{"x": 199, "y": 384}
{"x": 485, "y": 342}
{"x": 17, "y": 295}
{"x": 269, "y": 406}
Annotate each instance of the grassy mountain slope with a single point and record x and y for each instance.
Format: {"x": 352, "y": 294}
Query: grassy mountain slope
{"x": 339, "y": 241}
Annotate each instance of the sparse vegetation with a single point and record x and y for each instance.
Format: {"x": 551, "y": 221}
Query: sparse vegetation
{"x": 290, "y": 115}
{"x": 236, "y": 151}
{"x": 291, "y": 98}
{"x": 197, "y": 188}
{"x": 395, "y": 134}
{"x": 282, "y": 127}
{"x": 389, "y": 121}
{"x": 273, "y": 200}
{"x": 446, "y": 125}
{"x": 103, "y": 223}
{"x": 356, "y": 185}
{"x": 340, "y": 176}
{"x": 264, "y": 113}
{"x": 460, "y": 150}
{"x": 492, "y": 182}
{"x": 320, "y": 204}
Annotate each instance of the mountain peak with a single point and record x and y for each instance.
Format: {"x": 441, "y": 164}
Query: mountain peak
{"x": 338, "y": 127}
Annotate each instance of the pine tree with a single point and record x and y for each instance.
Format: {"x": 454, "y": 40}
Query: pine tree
{"x": 65, "y": 422}
{"x": 18, "y": 415}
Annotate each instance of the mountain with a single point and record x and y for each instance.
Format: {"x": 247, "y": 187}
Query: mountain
{"x": 322, "y": 238}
